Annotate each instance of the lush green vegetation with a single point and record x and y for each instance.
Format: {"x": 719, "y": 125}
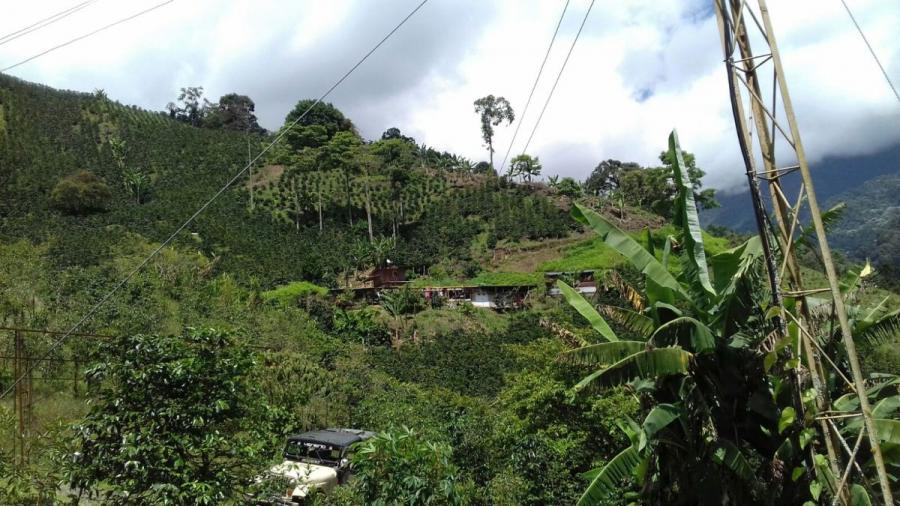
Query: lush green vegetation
{"x": 290, "y": 293}
{"x": 144, "y": 159}
{"x": 231, "y": 338}
{"x": 869, "y": 227}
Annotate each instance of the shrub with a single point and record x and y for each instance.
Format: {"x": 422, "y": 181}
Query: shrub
{"x": 174, "y": 421}
{"x": 80, "y": 193}
{"x": 400, "y": 467}
{"x": 289, "y": 294}
{"x": 361, "y": 326}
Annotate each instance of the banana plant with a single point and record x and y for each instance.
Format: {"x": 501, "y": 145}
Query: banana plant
{"x": 692, "y": 353}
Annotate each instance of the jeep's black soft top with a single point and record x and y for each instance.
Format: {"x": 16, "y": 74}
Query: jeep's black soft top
{"x": 336, "y": 437}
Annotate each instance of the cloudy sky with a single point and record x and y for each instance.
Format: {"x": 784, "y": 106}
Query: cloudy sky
{"x": 640, "y": 68}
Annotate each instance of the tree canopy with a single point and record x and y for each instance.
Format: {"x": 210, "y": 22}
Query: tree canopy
{"x": 233, "y": 112}
{"x": 317, "y": 127}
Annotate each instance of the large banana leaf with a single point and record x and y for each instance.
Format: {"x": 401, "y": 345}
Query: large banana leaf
{"x": 586, "y": 310}
{"x": 859, "y": 496}
{"x": 885, "y": 408}
{"x": 658, "y": 418}
{"x": 631, "y": 320}
{"x": 692, "y": 237}
{"x": 603, "y": 353}
{"x": 870, "y": 315}
{"x": 888, "y": 430}
{"x": 632, "y": 250}
{"x": 618, "y": 469}
{"x": 667, "y": 249}
{"x": 731, "y": 457}
{"x": 654, "y": 363}
{"x": 687, "y": 332}
{"x": 730, "y": 266}
{"x": 851, "y": 280}
{"x": 849, "y": 402}
{"x": 883, "y": 330}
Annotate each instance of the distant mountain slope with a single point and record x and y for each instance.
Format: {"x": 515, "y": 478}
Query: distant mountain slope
{"x": 832, "y": 177}
{"x": 870, "y": 227}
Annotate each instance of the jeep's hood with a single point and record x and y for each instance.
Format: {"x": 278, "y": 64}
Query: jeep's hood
{"x": 306, "y": 476}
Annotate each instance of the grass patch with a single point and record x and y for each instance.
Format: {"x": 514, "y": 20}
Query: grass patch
{"x": 507, "y": 279}
{"x": 591, "y": 254}
{"x": 483, "y": 279}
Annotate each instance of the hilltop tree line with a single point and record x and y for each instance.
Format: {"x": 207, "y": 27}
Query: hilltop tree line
{"x": 232, "y": 112}
{"x": 651, "y": 188}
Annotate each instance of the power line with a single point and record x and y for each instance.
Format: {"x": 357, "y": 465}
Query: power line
{"x": 544, "y": 109}
{"x": 54, "y": 332}
{"x": 44, "y": 22}
{"x": 222, "y": 190}
{"x": 534, "y": 86}
{"x": 871, "y": 50}
{"x": 81, "y": 37}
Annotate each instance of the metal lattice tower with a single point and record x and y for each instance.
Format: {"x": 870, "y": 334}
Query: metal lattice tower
{"x": 763, "y": 109}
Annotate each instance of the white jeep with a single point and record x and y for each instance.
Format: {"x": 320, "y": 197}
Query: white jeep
{"x": 316, "y": 460}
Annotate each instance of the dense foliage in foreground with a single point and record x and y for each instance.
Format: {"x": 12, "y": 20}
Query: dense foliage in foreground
{"x": 503, "y": 408}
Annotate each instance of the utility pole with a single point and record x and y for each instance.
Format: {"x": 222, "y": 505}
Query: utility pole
{"x": 734, "y": 17}
{"x": 249, "y": 159}
{"x": 22, "y": 397}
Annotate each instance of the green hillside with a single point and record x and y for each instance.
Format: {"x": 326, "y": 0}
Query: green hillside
{"x": 47, "y": 135}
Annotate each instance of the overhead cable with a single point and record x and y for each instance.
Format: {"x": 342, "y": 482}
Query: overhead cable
{"x": 871, "y": 50}
{"x": 534, "y": 86}
{"x": 44, "y": 22}
{"x": 563, "y": 68}
{"x": 81, "y": 37}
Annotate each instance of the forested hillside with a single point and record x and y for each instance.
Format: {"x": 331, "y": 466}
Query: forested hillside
{"x": 869, "y": 227}
{"x": 862, "y": 182}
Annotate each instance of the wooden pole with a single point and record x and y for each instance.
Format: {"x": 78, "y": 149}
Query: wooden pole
{"x": 831, "y": 272}
{"x": 19, "y": 399}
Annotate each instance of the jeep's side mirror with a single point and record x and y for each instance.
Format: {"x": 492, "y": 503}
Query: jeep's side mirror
{"x": 344, "y": 462}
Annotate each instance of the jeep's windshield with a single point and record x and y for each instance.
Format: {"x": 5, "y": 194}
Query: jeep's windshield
{"x": 311, "y": 451}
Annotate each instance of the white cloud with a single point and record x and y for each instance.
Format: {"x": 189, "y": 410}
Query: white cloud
{"x": 640, "y": 69}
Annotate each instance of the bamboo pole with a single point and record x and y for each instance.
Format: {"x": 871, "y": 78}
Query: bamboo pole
{"x": 831, "y": 272}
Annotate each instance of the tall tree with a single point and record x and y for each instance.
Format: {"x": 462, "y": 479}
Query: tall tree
{"x": 234, "y": 112}
{"x": 493, "y": 111}
{"x": 317, "y": 127}
{"x": 341, "y": 153}
{"x": 368, "y": 164}
{"x": 606, "y": 176}
{"x": 193, "y": 107}
{"x": 395, "y": 133}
